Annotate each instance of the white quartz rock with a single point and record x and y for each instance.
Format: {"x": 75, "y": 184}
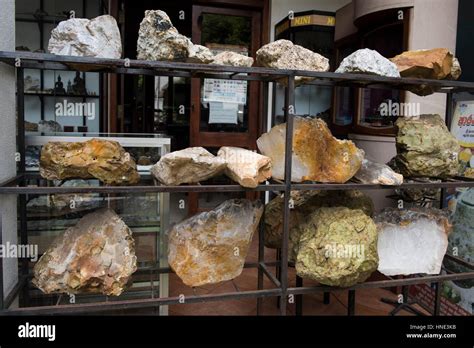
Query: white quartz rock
{"x": 377, "y": 173}
{"x": 200, "y": 54}
{"x": 98, "y": 37}
{"x": 246, "y": 167}
{"x": 367, "y": 61}
{"x": 412, "y": 241}
{"x": 187, "y": 166}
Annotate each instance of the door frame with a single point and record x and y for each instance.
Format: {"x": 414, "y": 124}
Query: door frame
{"x": 217, "y": 139}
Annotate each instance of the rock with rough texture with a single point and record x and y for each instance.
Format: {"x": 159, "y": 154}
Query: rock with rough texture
{"x": 246, "y": 167}
{"x": 426, "y": 148}
{"x": 96, "y": 158}
{"x": 50, "y": 126}
{"x": 98, "y": 37}
{"x": 367, "y": 61}
{"x": 232, "y": 59}
{"x": 96, "y": 255}
{"x": 211, "y": 247}
{"x": 283, "y": 54}
{"x": 435, "y": 63}
{"x": 187, "y": 166}
{"x": 31, "y": 127}
{"x": 378, "y": 173}
{"x": 317, "y": 155}
{"x": 337, "y": 247}
{"x": 303, "y": 204}
{"x": 158, "y": 39}
{"x": 200, "y": 54}
{"x": 412, "y": 241}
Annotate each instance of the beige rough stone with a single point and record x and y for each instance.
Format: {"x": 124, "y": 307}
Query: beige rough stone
{"x": 246, "y": 167}
{"x": 232, "y": 59}
{"x": 96, "y": 255}
{"x": 317, "y": 155}
{"x": 211, "y": 247}
{"x": 190, "y": 165}
{"x": 96, "y": 158}
{"x": 283, "y": 54}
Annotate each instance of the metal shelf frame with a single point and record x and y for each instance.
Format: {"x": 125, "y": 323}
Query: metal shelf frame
{"x": 281, "y": 288}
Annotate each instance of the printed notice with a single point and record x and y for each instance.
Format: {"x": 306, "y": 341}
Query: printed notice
{"x": 223, "y": 112}
{"x": 225, "y": 91}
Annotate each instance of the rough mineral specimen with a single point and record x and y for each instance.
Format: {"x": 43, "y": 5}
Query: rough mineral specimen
{"x": 366, "y": 61}
{"x": 187, "y": 166}
{"x": 49, "y": 126}
{"x": 246, "y": 167}
{"x": 436, "y": 64}
{"x": 232, "y": 59}
{"x": 31, "y": 127}
{"x": 283, "y": 54}
{"x": 412, "y": 241}
{"x": 425, "y": 147}
{"x": 337, "y": 247}
{"x": 317, "y": 155}
{"x": 200, "y": 54}
{"x": 95, "y": 256}
{"x": 96, "y": 158}
{"x": 378, "y": 173}
{"x": 98, "y": 37}
{"x": 303, "y": 204}
{"x": 211, "y": 247}
{"x": 158, "y": 39}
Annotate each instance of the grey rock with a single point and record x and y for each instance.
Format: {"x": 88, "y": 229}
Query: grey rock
{"x": 367, "y": 61}
{"x": 377, "y": 173}
{"x": 283, "y": 54}
{"x": 49, "y": 126}
{"x": 98, "y": 37}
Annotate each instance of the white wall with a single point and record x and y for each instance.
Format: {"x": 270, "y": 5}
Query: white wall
{"x": 433, "y": 24}
{"x": 279, "y": 9}
{"x": 7, "y": 140}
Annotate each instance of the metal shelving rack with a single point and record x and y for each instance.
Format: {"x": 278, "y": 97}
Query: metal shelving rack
{"x": 281, "y": 288}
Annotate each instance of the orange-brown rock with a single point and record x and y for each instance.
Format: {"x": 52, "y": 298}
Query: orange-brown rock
{"x": 317, "y": 154}
{"x": 96, "y": 158}
{"x": 97, "y": 255}
{"x": 437, "y": 63}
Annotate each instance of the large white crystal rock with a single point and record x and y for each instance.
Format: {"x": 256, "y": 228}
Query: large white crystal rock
{"x": 200, "y": 54}
{"x": 96, "y": 255}
{"x": 246, "y": 167}
{"x": 98, "y": 37}
{"x": 283, "y": 54}
{"x": 377, "y": 173}
{"x": 412, "y": 241}
{"x": 317, "y": 155}
{"x": 232, "y": 59}
{"x": 211, "y": 247}
{"x": 190, "y": 165}
{"x": 367, "y": 61}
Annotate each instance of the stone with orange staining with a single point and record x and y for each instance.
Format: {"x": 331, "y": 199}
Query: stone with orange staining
{"x": 317, "y": 154}
{"x": 97, "y": 255}
{"x": 96, "y": 158}
{"x": 211, "y": 247}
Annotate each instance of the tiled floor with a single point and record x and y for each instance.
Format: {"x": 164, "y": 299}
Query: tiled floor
{"x": 367, "y": 300}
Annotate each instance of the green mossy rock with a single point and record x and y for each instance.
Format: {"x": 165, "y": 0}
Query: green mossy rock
{"x": 426, "y": 148}
{"x": 337, "y": 247}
